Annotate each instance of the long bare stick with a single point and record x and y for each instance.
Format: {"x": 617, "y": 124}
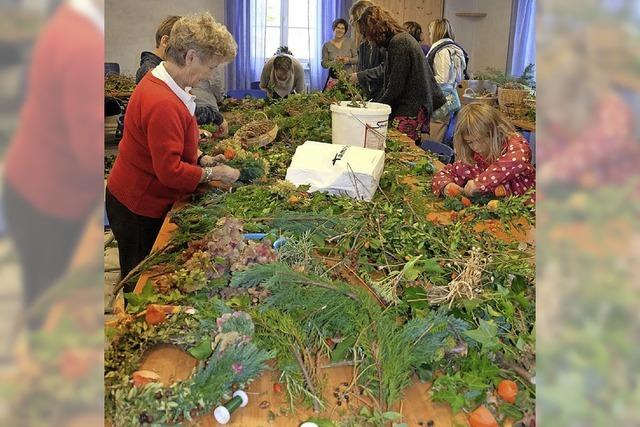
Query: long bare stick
{"x": 307, "y": 379}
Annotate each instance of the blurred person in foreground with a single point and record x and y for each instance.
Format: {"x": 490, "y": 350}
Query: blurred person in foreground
{"x": 158, "y": 160}
{"x": 208, "y": 92}
{"x": 53, "y": 174}
{"x": 409, "y": 86}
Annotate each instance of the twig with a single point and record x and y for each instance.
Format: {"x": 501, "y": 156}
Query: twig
{"x": 505, "y": 364}
{"x": 371, "y": 291}
{"x": 307, "y": 379}
{"x": 134, "y": 271}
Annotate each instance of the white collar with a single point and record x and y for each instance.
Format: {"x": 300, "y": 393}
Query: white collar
{"x": 439, "y": 42}
{"x": 89, "y": 9}
{"x": 187, "y": 99}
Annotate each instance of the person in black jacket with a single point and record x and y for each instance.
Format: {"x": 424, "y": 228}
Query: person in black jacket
{"x": 206, "y": 93}
{"x": 409, "y": 86}
{"x": 370, "y": 68}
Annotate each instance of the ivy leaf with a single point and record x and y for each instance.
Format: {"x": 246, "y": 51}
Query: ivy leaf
{"x": 137, "y": 302}
{"x": 486, "y": 335}
{"x": 203, "y": 350}
{"x": 510, "y": 411}
{"x": 452, "y": 397}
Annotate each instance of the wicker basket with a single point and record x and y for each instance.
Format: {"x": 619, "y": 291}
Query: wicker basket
{"x": 530, "y": 103}
{"x": 515, "y": 113}
{"x": 469, "y": 96}
{"x": 511, "y": 97}
{"x": 259, "y": 140}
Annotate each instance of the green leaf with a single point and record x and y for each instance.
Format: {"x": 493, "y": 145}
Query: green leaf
{"x": 492, "y": 312}
{"x": 203, "y": 350}
{"x": 341, "y": 350}
{"x": 416, "y": 297}
{"x": 486, "y": 335}
{"x": 410, "y": 271}
{"x": 452, "y": 397}
{"x": 391, "y": 416}
{"x": 365, "y": 412}
{"x": 431, "y": 266}
{"x": 511, "y": 411}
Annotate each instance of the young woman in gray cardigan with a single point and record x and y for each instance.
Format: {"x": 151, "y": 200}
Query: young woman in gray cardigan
{"x": 409, "y": 86}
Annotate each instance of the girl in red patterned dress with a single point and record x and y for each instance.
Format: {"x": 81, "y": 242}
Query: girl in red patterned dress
{"x": 492, "y": 157}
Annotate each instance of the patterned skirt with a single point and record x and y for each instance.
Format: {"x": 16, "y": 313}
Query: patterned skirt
{"x": 413, "y": 126}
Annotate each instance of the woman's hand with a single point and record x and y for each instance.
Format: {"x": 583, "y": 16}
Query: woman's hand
{"x": 471, "y": 189}
{"x": 223, "y": 129}
{"x": 205, "y": 135}
{"x": 225, "y": 174}
{"x": 353, "y": 78}
{"x": 207, "y": 161}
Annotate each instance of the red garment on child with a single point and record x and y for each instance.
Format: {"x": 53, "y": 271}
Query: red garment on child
{"x": 511, "y": 174}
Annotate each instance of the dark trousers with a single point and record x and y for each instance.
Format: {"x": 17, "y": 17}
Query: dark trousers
{"x": 135, "y": 235}
{"x": 44, "y": 244}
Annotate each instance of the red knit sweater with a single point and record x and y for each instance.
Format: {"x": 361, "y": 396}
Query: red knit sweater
{"x": 55, "y": 159}
{"x": 156, "y": 163}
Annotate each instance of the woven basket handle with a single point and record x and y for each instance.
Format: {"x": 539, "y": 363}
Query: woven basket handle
{"x": 261, "y": 112}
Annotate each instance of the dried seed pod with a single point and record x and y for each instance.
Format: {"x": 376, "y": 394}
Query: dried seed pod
{"x": 264, "y": 404}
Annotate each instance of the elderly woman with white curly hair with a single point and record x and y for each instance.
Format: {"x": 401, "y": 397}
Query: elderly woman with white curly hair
{"x": 158, "y": 160}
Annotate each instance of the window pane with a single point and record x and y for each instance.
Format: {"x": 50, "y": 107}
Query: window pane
{"x": 272, "y": 41}
{"x": 273, "y": 13}
{"x": 299, "y": 43}
{"x": 298, "y": 14}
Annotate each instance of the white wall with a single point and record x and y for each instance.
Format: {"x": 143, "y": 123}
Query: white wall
{"x": 130, "y": 26}
{"x": 486, "y": 39}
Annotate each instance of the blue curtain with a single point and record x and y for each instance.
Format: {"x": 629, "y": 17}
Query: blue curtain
{"x": 524, "y": 39}
{"x": 246, "y": 20}
{"x": 327, "y": 12}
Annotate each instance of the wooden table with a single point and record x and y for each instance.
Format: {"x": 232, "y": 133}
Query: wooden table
{"x": 173, "y": 364}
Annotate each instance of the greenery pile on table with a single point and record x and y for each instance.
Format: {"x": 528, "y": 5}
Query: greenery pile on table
{"x": 402, "y": 286}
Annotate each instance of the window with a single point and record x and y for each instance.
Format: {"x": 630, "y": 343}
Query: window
{"x": 290, "y": 23}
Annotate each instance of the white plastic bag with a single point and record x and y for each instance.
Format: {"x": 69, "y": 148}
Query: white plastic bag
{"x": 337, "y": 169}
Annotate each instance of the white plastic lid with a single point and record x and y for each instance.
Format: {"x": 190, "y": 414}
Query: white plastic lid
{"x": 372, "y": 108}
{"x": 243, "y": 395}
{"x": 222, "y": 415}
{"x": 309, "y": 424}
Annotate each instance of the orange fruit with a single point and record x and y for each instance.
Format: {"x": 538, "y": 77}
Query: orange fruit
{"x": 229, "y": 153}
{"x": 500, "y": 191}
{"x": 465, "y": 202}
{"x": 482, "y": 417}
{"x": 452, "y": 191}
{"x": 508, "y": 390}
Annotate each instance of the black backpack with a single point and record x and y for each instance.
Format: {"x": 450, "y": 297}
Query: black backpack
{"x": 432, "y": 55}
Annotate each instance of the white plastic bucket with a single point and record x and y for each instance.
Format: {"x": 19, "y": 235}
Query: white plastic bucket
{"x": 360, "y": 127}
